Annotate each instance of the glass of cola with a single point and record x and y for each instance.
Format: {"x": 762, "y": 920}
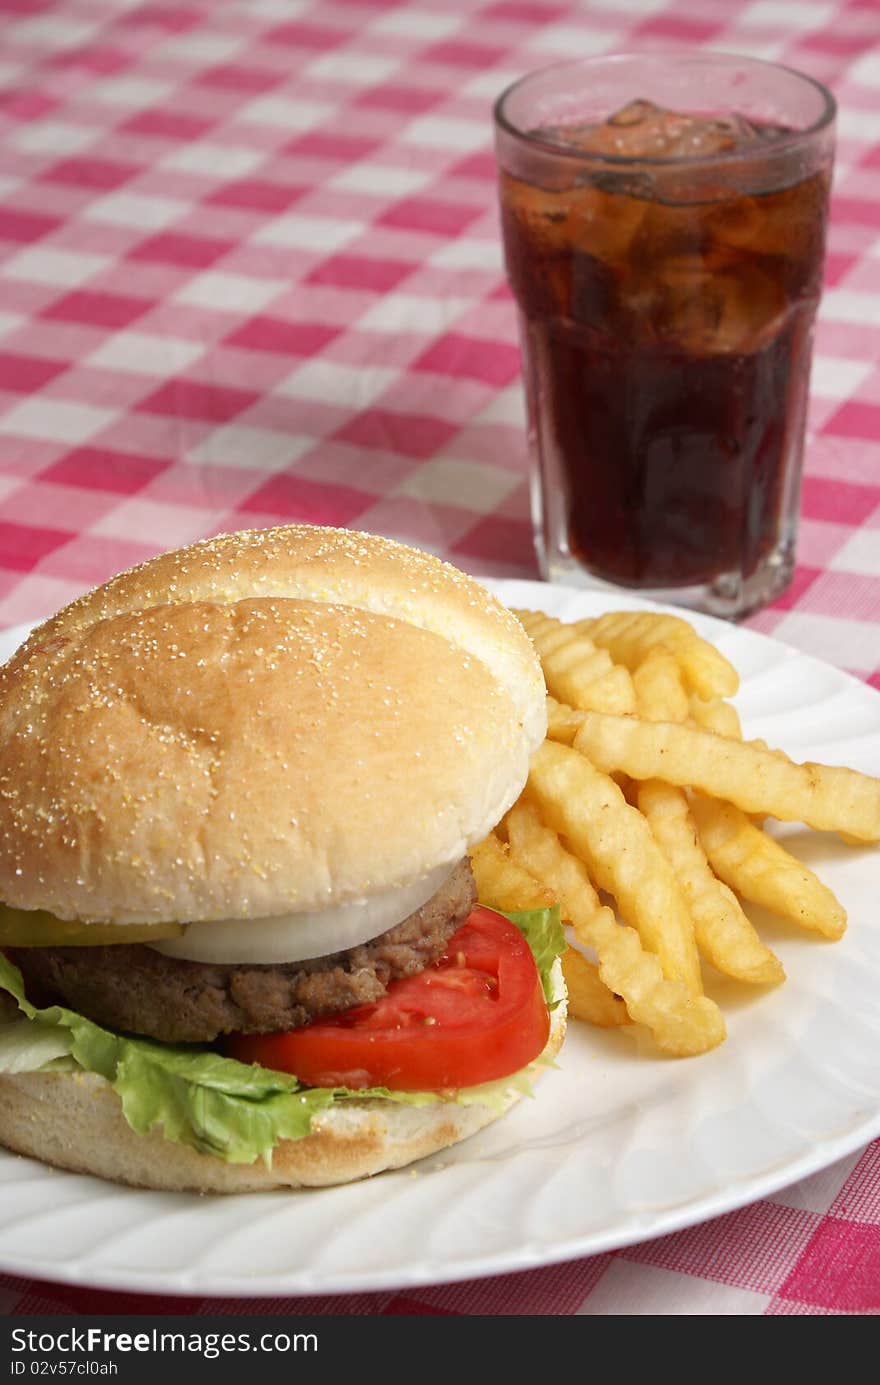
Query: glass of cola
{"x": 664, "y": 226}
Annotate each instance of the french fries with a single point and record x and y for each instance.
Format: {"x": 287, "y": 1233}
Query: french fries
{"x": 563, "y": 722}
{"x": 660, "y": 690}
{"x": 588, "y": 809}
{"x": 630, "y": 635}
{"x": 646, "y": 792}
{"x": 681, "y": 1023}
{"x": 828, "y": 797}
{"x": 505, "y": 882}
{"x": 575, "y": 670}
{"x": 724, "y": 935}
{"x": 761, "y": 870}
{"x": 588, "y": 997}
{"x": 714, "y": 714}
{"x": 502, "y": 883}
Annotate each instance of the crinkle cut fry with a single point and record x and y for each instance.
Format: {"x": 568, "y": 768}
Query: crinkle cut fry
{"x": 760, "y": 869}
{"x": 502, "y": 883}
{"x": 575, "y": 670}
{"x": 563, "y": 722}
{"x": 630, "y": 635}
{"x": 587, "y": 808}
{"x": 714, "y": 714}
{"x": 725, "y": 936}
{"x": 829, "y": 798}
{"x": 660, "y": 690}
{"x": 681, "y": 1023}
{"x": 588, "y": 997}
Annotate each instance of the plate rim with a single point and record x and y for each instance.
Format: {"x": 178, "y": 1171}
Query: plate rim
{"x": 688, "y": 1212}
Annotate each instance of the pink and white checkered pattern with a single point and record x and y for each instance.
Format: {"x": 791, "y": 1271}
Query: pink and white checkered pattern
{"x": 250, "y": 272}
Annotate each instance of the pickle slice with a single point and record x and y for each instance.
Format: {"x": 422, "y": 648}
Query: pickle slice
{"x": 37, "y": 928}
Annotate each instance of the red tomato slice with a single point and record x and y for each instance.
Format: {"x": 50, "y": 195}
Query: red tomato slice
{"x": 477, "y": 1014}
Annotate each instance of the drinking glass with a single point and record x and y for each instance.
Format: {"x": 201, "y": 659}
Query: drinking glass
{"x": 664, "y": 225}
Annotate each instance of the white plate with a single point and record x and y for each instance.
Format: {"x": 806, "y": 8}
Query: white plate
{"x": 618, "y": 1146}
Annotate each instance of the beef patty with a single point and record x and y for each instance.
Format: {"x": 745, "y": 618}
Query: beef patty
{"x": 131, "y": 987}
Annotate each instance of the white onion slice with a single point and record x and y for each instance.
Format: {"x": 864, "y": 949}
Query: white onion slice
{"x": 297, "y": 937}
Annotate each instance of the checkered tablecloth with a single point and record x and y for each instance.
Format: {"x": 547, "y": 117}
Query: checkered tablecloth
{"x": 250, "y": 272}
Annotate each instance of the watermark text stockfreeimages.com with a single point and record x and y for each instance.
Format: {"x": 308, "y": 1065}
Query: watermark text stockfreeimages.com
{"x": 29, "y": 1346}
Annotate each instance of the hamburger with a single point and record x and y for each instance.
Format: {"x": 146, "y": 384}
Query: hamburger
{"x": 240, "y": 944}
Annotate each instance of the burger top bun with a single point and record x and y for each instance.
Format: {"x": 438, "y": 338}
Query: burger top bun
{"x": 265, "y": 723}
{"x": 341, "y": 566}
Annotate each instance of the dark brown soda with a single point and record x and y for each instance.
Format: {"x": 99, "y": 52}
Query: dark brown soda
{"x": 667, "y": 349}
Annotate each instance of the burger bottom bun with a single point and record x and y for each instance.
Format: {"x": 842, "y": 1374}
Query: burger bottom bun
{"x": 75, "y": 1121}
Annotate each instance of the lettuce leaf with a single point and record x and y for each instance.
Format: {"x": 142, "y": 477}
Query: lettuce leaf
{"x": 29, "y": 1046}
{"x": 197, "y": 1097}
{"x": 543, "y": 931}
